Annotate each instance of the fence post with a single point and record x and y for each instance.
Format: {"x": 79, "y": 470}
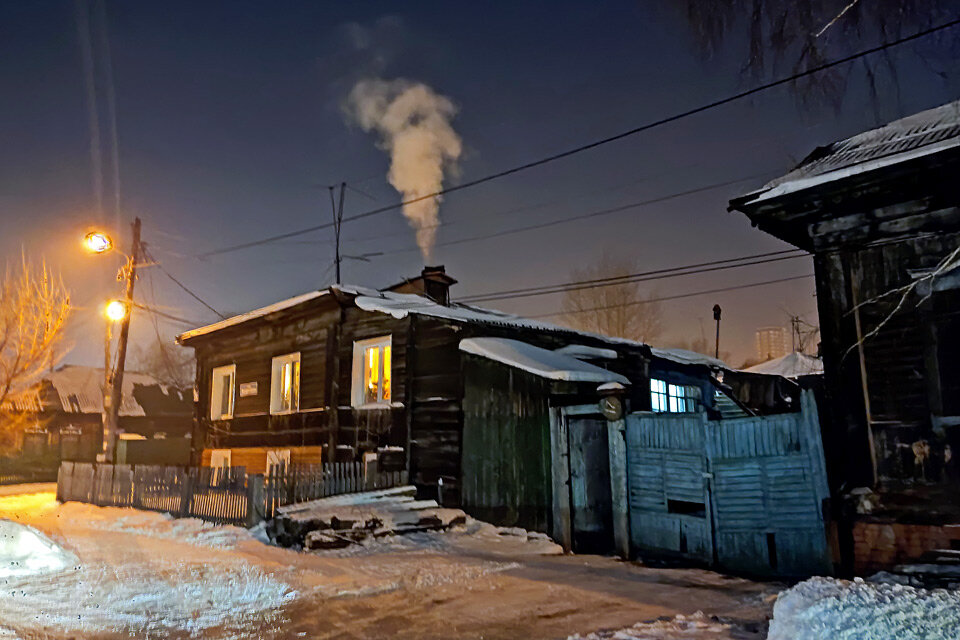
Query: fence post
{"x": 256, "y": 509}
{"x": 186, "y": 492}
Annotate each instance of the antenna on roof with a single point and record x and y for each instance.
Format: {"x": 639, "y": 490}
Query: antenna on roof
{"x": 337, "y": 222}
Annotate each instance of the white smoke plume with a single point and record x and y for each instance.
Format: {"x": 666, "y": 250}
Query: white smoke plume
{"x": 413, "y": 123}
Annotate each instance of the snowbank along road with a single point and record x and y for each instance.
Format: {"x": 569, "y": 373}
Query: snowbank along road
{"x": 120, "y": 573}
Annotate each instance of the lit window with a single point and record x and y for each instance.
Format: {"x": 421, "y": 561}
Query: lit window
{"x": 372, "y": 373}
{"x": 285, "y": 384}
{"x": 658, "y": 394}
{"x": 673, "y": 398}
{"x": 221, "y": 392}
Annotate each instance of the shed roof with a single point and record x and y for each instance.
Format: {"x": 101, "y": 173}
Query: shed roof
{"x": 792, "y": 365}
{"x": 921, "y": 134}
{"x": 541, "y": 362}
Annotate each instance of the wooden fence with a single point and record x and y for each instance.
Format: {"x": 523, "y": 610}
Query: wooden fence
{"x": 21, "y": 476}
{"x": 302, "y": 483}
{"x": 225, "y": 496}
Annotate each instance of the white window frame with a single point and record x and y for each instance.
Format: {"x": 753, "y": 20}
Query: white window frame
{"x": 220, "y": 458}
{"x": 216, "y": 391}
{"x": 276, "y": 370}
{"x": 277, "y": 457}
{"x": 357, "y": 393}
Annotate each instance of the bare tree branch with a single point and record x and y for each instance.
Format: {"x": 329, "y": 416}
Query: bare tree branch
{"x": 34, "y": 306}
{"x": 619, "y": 310}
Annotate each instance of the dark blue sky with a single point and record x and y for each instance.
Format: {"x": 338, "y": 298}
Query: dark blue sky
{"x": 230, "y": 126}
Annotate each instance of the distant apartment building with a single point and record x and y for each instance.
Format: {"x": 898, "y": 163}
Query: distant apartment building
{"x": 771, "y": 343}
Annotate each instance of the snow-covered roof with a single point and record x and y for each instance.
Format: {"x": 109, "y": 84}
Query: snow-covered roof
{"x": 79, "y": 389}
{"x": 541, "y": 362}
{"x": 792, "y": 365}
{"x": 921, "y": 134}
{"x": 250, "y": 315}
{"x": 586, "y": 352}
{"x": 400, "y": 305}
{"x": 684, "y": 356}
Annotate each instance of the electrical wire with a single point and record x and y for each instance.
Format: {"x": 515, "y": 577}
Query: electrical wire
{"x": 183, "y": 286}
{"x": 602, "y": 141}
{"x": 673, "y": 297}
{"x": 660, "y": 274}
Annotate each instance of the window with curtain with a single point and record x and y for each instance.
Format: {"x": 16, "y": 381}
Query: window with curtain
{"x": 372, "y": 372}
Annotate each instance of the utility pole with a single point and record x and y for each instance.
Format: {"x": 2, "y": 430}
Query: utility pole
{"x": 716, "y": 316}
{"x": 337, "y": 221}
{"x": 112, "y": 391}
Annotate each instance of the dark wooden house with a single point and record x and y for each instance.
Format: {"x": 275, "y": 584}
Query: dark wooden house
{"x": 66, "y": 405}
{"x": 337, "y": 372}
{"x": 880, "y": 213}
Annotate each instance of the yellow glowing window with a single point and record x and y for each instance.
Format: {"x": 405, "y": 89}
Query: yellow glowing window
{"x": 285, "y": 384}
{"x": 372, "y": 373}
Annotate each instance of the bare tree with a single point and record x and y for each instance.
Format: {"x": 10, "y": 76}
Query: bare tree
{"x": 169, "y": 364}
{"x": 34, "y": 305}
{"x": 778, "y": 37}
{"x": 619, "y": 310}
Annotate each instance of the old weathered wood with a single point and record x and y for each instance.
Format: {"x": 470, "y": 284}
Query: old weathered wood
{"x": 617, "y": 443}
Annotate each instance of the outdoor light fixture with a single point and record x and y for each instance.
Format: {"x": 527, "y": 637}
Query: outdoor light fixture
{"x": 97, "y": 242}
{"x": 115, "y": 310}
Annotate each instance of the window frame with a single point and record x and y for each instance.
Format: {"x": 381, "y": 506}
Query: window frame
{"x": 665, "y": 397}
{"x": 277, "y": 458}
{"x": 357, "y": 391}
{"x": 276, "y": 370}
{"x": 216, "y": 383}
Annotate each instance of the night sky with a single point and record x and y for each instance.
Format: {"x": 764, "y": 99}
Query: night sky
{"x": 231, "y": 127}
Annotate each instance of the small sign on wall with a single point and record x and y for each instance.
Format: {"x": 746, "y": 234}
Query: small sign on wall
{"x": 248, "y": 389}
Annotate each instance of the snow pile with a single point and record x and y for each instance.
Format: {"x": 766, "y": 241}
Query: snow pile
{"x": 152, "y": 599}
{"x": 24, "y": 551}
{"x": 680, "y": 627}
{"x": 155, "y": 525}
{"x": 822, "y": 608}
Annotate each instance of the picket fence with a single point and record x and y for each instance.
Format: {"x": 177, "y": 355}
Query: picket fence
{"x": 224, "y": 496}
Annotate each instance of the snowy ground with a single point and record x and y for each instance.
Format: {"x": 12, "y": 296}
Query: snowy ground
{"x": 841, "y": 610}
{"x": 146, "y": 575}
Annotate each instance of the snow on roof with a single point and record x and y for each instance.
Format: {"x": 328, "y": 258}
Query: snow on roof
{"x": 915, "y": 136}
{"x": 684, "y": 356}
{"x": 792, "y": 365}
{"x": 250, "y": 315}
{"x": 80, "y": 390}
{"x": 400, "y": 305}
{"x": 586, "y": 352}
{"x": 541, "y": 362}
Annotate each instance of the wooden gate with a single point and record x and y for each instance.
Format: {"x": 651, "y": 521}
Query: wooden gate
{"x": 668, "y": 485}
{"x": 583, "y": 518}
{"x": 745, "y": 494}
{"x": 590, "y": 494}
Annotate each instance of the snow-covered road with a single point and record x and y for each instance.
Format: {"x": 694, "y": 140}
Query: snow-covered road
{"x": 147, "y": 575}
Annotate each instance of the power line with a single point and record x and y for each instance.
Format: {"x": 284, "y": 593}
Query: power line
{"x": 674, "y": 297}
{"x": 603, "y": 141}
{"x": 612, "y": 279}
{"x": 184, "y": 287}
{"x": 584, "y": 216}
{"x": 640, "y": 277}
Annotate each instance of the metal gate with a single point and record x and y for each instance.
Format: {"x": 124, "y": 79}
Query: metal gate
{"x": 744, "y": 494}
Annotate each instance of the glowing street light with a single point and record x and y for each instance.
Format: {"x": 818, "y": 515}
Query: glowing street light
{"x": 97, "y": 242}
{"x": 116, "y": 310}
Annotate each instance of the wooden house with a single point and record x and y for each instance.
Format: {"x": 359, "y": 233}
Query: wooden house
{"x": 341, "y": 371}
{"x": 66, "y": 407}
{"x": 880, "y": 213}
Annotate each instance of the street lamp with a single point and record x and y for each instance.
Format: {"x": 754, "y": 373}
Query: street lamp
{"x": 97, "y": 242}
{"x": 116, "y": 310}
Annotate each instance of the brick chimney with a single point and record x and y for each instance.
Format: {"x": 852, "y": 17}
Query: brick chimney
{"x": 433, "y": 282}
